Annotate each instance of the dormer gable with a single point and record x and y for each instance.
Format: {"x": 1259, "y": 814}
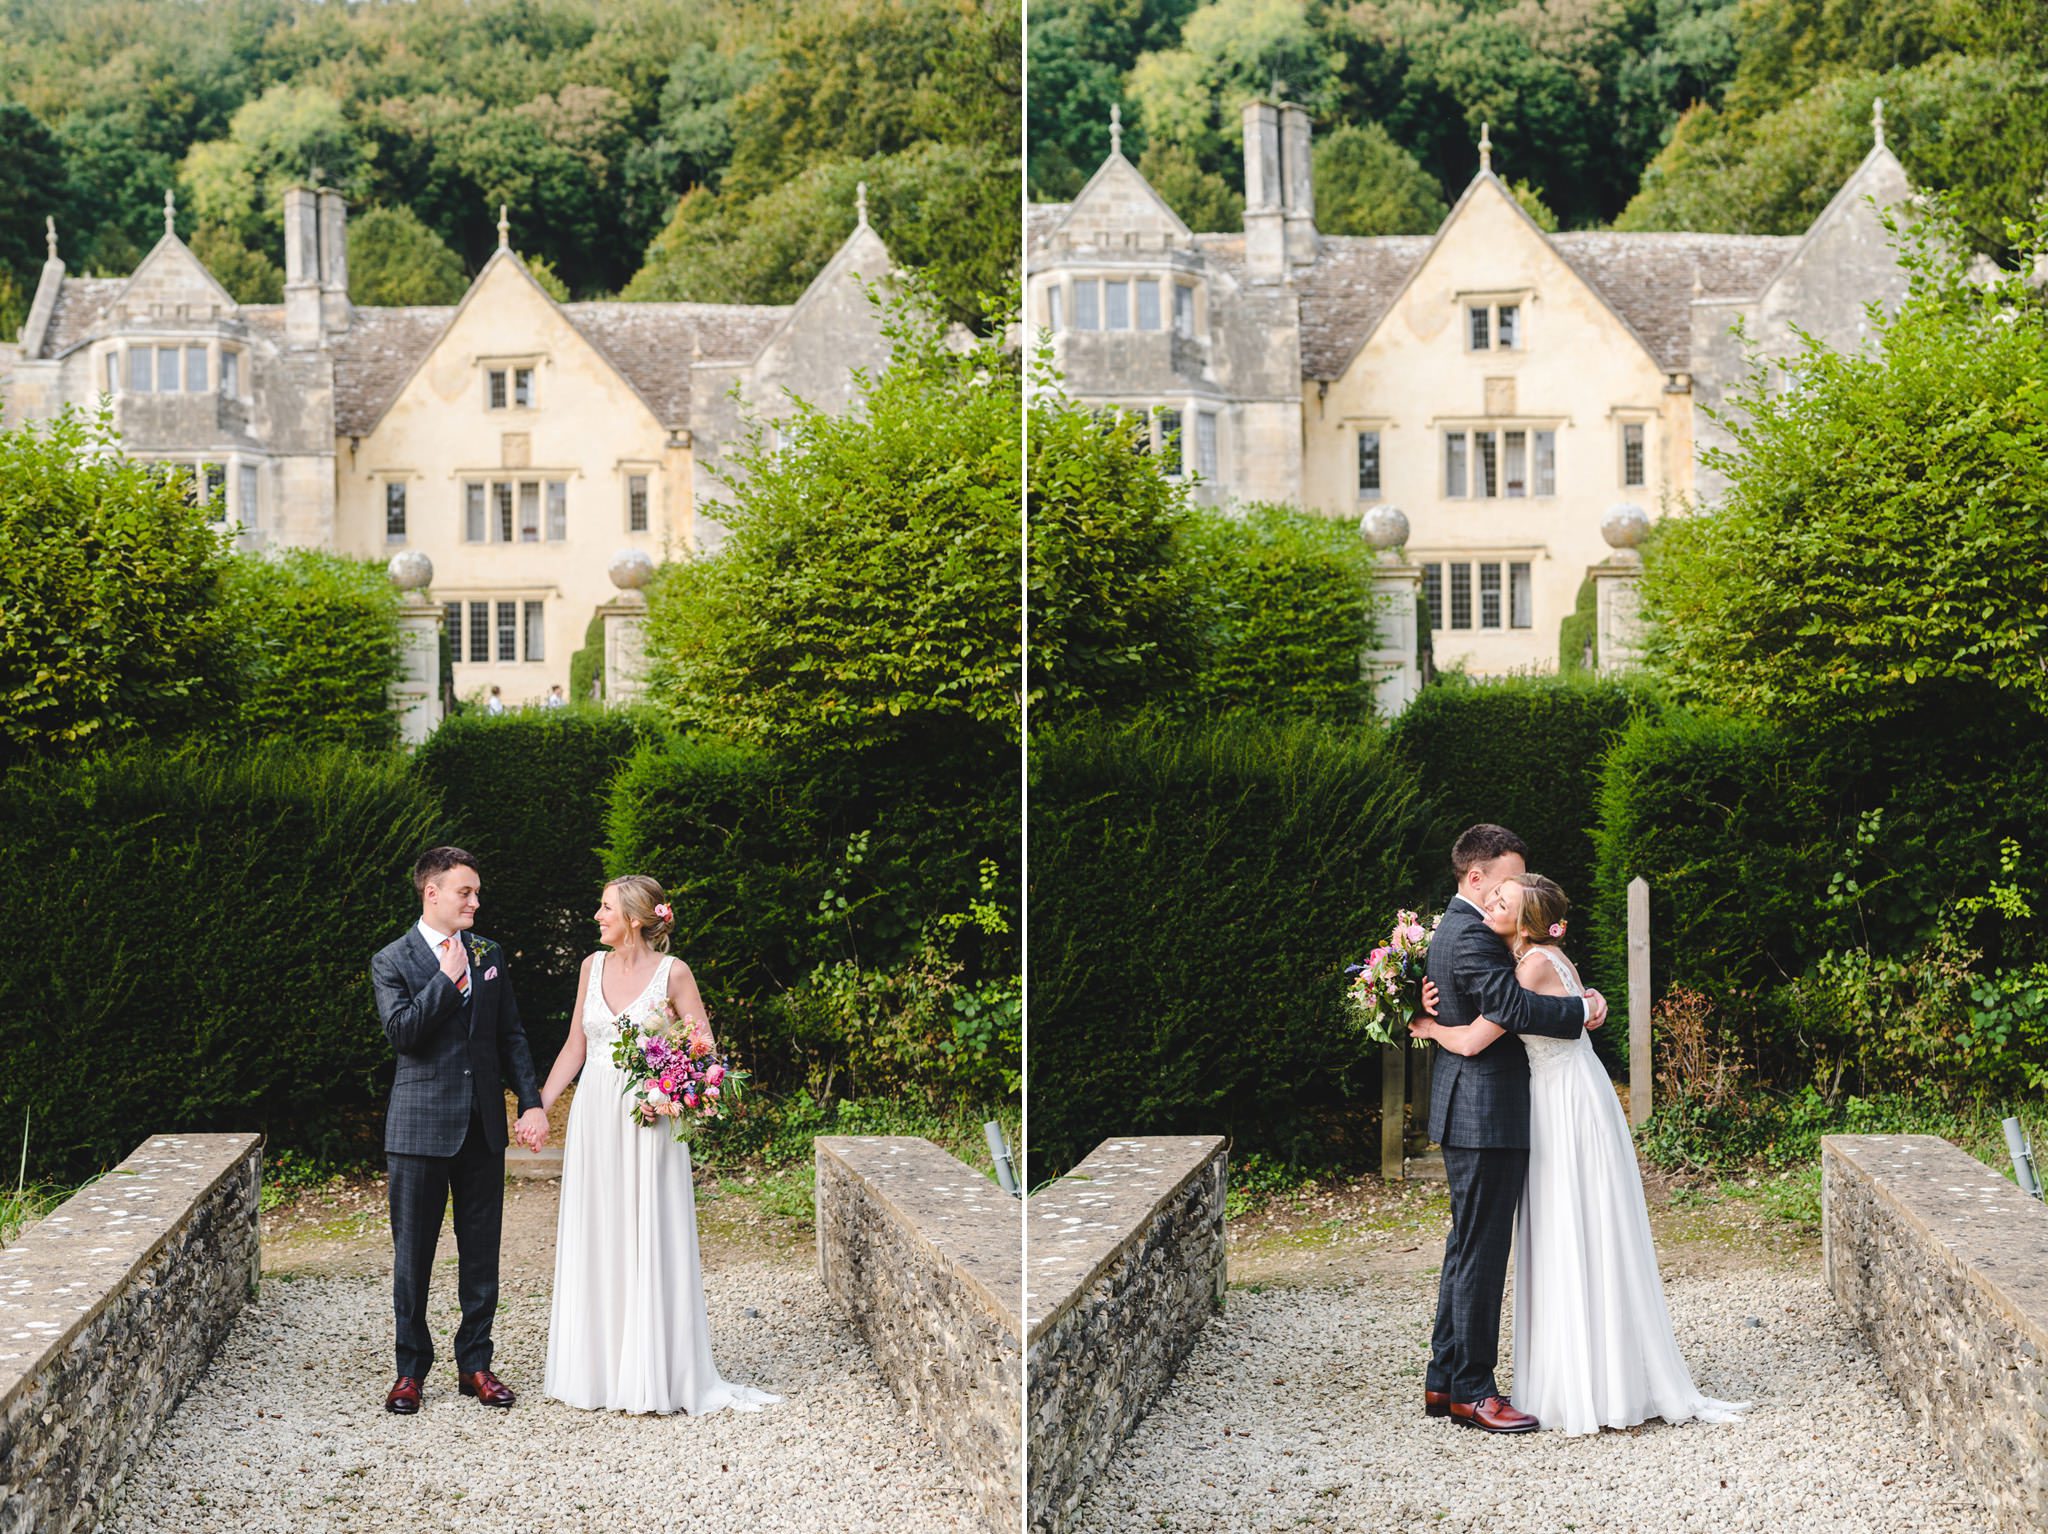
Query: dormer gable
{"x": 833, "y": 306}
{"x": 1118, "y": 210}
{"x": 171, "y": 284}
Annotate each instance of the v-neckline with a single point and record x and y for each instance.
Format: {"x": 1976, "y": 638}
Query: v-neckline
{"x": 628, "y": 1007}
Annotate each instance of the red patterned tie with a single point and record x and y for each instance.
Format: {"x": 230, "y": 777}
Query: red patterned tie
{"x": 461, "y": 980}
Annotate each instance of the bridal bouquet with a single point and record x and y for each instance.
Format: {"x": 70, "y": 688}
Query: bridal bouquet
{"x": 674, "y": 1074}
{"x": 1386, "y": 990}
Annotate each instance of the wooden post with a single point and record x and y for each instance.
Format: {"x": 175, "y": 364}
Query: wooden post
{"x": 1393, "y": 1110}
{"x": 1639, "y": 1076}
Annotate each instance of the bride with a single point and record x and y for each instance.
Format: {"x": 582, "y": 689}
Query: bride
{"x": 628, "y": 1329}
{"x": 1593, "y": 1340}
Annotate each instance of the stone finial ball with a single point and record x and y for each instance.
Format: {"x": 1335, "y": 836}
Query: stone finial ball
{"x": 630, "y": 569}
{"x": 410, "y": 570}
{"x": 1625, "y": 526}
{"x": 1384, "y": 527}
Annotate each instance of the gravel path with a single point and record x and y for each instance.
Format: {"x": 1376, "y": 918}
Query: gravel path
{"x": 1301, "y": 1408}
{"x": 287, "y": 1432}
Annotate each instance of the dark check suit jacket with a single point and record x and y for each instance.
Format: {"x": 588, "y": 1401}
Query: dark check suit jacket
{"x": 452, "y": 1054}
{"x": 1482, "y": 1100}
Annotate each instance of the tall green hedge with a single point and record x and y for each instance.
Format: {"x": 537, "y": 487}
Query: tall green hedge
{"x": 1526, "y": 753}
{"x": 1195, "y": 896}
{"x": 189, "y": 946}
{"x": 1287, "y": 599}
{"x": 527, "y": 793}
{"x": 317, "y": 648}
{"x": 779, "y": 864}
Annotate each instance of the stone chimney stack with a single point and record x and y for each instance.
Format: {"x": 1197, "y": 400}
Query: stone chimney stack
{"x": 1279, "y": 193}
{"x": 302, "y": 317}
{"x": 1297, "y": 184}
{"x": 334, "y": 305}
{"x": 1265, "y": 211}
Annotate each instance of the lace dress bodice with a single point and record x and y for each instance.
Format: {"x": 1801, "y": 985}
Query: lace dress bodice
{"x": 1547, "y": 1054}
{"x": 600, "y": 1023}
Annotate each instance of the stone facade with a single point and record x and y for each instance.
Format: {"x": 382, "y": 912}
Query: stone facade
{"x": 924, "y": 1253}
{"x": 1503, "y": 386}
{"x": 109, "y": 1310}
{"x": 1943, "y": 1264}
{"x": 1125, "y": 1268}
{"x": 518, "y": 442}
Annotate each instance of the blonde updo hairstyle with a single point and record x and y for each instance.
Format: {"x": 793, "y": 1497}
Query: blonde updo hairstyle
{"x": 1544, "y": 905}
{"x": 638, "y": 896}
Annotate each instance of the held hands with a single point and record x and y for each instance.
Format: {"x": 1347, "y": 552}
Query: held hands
{"x": 1596, "y": 1009}
{"x": 532, "y": 1129}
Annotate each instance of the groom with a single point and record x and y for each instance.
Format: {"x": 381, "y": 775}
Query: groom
{"x": 447, "y": 1007}
{"x": 1479, "y": 1114}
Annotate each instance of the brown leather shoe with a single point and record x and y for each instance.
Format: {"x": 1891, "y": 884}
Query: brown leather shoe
{"x": 492, "y": 1391}
{"x": 1436, "y": 1403}
{"x": 405, "y": 1396}
{"x": 1496, "y": 1414}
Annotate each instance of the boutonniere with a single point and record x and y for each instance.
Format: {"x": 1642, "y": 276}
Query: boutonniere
{"x": 481, "y": 947}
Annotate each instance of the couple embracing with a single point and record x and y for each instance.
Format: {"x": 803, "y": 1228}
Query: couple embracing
{"x": 1537, "y": 1151}
{"x": 627, "y": 1329}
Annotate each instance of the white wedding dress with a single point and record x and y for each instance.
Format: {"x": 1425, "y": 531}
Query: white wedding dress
{"x": 1593, "y": 1340}
{"x": 627, "y": 1329}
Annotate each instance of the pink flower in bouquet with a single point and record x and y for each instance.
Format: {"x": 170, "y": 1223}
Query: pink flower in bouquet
{"x": 712, "y": 1093}
{"x": 715, "y": 1075}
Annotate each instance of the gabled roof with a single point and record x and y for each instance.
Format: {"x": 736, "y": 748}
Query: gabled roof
{"x": 81, "y": 302}
{"x": 1880, "y": 165}
{"x": 1113, "y": 170}
{"x": 171, "y": 249}
{"x": 654, "y": 345}
{"x": 1649, "y": 279}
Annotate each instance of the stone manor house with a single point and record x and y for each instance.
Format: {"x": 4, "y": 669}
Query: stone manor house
{"x": 520, "y": 443}
{"x": 1504, "y": 387}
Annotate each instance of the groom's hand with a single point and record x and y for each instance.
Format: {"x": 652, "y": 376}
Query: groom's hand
{"x": 532, "y": 1129}
{"x": 1596, "y": 1009}
{"x": 452, "y": 960}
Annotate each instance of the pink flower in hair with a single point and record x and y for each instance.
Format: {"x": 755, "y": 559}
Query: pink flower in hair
{"x": 663, "y": 911}
{"x": 1557, "y": 929}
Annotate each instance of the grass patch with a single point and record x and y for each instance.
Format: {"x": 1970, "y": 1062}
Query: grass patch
{"x": 766, "y": 1156}
{"x": 1765, "y": 1149}
{"x": 21, "y": 1207}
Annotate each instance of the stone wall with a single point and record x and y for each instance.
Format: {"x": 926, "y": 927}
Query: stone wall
{"x": 109, "y": 1309}
{"x": 1943, "y": 1264}
{"x": 925, "y": 1254}
{"x": 1126, "y": 1266}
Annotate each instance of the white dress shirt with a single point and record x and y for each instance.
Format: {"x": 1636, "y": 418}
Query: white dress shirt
{"x": 436, "y": 939}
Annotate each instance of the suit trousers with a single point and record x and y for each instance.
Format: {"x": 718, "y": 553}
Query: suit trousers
{"x": 420, "y": 1191}
{"x": 1486, "y": 1185}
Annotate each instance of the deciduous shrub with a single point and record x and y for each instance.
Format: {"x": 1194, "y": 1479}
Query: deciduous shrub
{"x": 316, "y": 650}
{"x": 1195, "y": 897}
{"x": 850, "y": 918}
{"x": 1286, "y": 597}
{"x": 189, "y": 946}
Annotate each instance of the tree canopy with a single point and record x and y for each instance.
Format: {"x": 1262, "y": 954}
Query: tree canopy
{"x": 592, "y": 119}
{"x": 1727, "y": 115}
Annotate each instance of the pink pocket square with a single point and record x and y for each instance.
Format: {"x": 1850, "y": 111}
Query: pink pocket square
{"x": 491, "y": 973}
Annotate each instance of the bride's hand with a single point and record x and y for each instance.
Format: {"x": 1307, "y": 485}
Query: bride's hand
{"x": 1422, "y": 1027}
{"x": 1430, "y": 997}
